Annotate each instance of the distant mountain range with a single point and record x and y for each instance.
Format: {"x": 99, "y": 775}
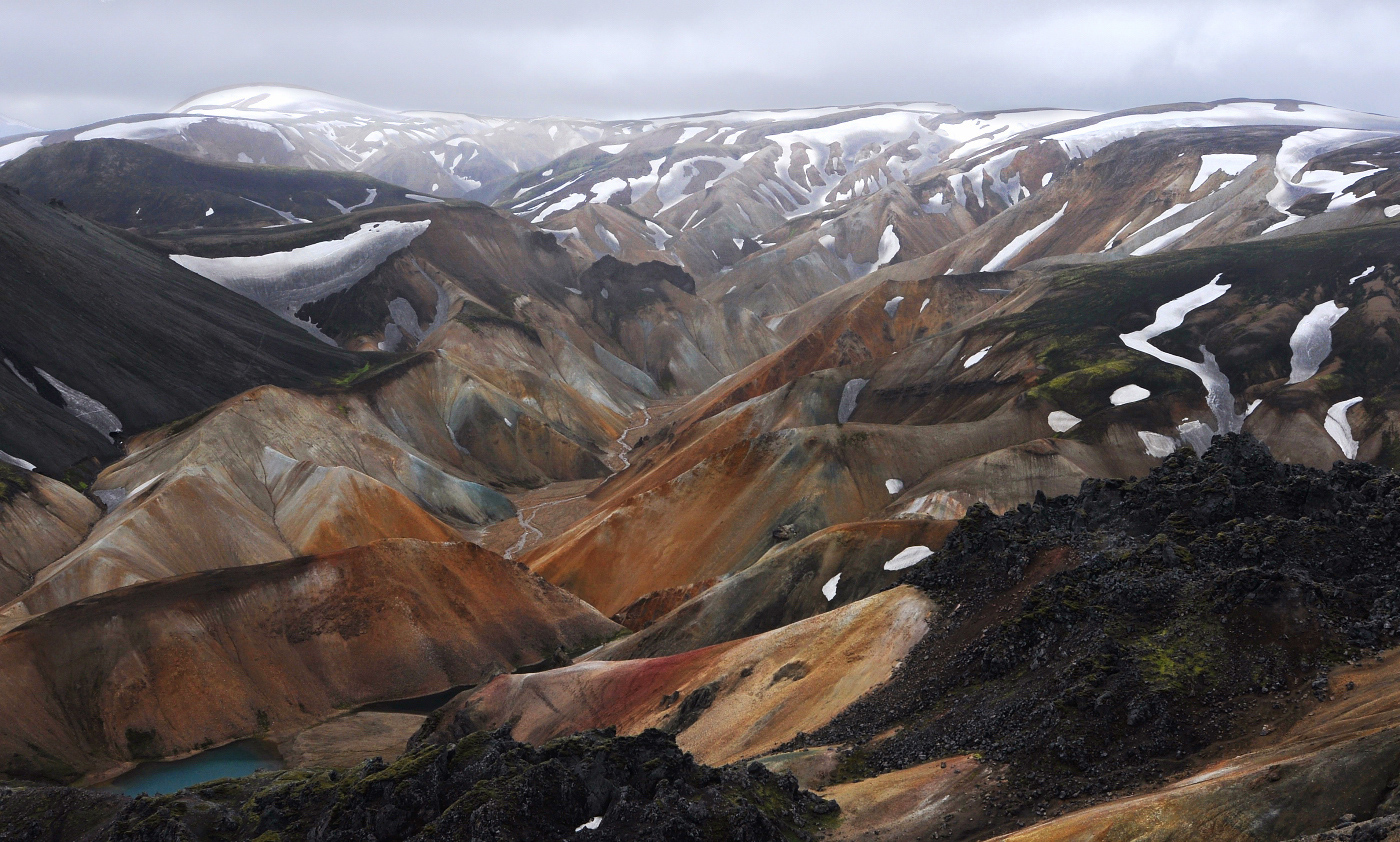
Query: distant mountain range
{"x": 977, "y": 469}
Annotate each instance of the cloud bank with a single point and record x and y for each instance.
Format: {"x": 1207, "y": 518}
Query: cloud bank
{"x": 68, "y": 62}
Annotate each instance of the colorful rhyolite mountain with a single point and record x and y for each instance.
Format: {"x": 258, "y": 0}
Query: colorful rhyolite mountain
{"x": 969, "y": 469}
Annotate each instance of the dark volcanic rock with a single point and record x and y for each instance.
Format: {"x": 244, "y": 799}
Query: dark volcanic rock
{"x": 485, "y": 787}
{"x": 628, "y": 278}
{"x": 1096, "y": 641}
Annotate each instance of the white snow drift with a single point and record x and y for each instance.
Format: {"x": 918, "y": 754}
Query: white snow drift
{"x": 284, "y": 281}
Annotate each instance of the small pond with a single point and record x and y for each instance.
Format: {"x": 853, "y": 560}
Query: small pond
{"x": 231, "y": 761}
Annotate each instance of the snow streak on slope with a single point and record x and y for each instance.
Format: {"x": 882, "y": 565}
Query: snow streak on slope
{"x": 1019, "y": 243}
{"x": 1157, "y": 244}
{"x": 284, "y": 281}
{"x": 908, "y": 557}
{"x": 1170, "y": 316}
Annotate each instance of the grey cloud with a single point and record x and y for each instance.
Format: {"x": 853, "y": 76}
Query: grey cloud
{"x": 65, "y": 62}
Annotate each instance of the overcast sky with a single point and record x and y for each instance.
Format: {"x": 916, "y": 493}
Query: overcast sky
{"x": 68, "y": 62}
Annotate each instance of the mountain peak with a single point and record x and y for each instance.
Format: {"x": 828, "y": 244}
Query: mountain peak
{"x": 279, "y": 99}
{"x": 10, "y": 127}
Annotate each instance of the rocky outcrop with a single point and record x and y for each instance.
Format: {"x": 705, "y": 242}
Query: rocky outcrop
{"x": 646, "y": 610}
{"x": 173, "y": 666}
{"x": 1103, "y": 638}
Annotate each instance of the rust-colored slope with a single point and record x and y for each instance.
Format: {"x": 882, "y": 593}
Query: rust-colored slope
{"x": 718, "y": 516}
{"x": 938, "y": 799}
{"x": 857, "y": 330}
{"x": 730, "y": 701}
{"x": 200, "y": 518}
{"x": 170, "y": 667}
{"x": 785, "y": 586}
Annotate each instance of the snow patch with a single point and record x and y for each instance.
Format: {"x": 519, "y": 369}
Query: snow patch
{"x": 892, "y": 306}
{"x": 1157, "y": 444}
{"x": 371, "y": 193}
{"x": 658, "y": 235}
{"x": 1294, "y": 155}
{"x": 1338, "y": 427}
{"x": 609, "y": 238}
{"x": 11, "y": 151}
{"x": 849, "y": 393}
{"x": 567, "y": 203}
{"x": 605, "y": 190}
{"x": 1131, "y": 393}
{"x": 86, "y": 409}
{"x": 1369, "y": 270}
{"x": 1312, "y": 340}
{"x": 888, "y": 247}
{"x": 1229, "y": 163}
{"x": 1085, "y": 141}
{"x": 894, "y": 486}
{"x": 908, "y": 557}
{"x": 1155, "y": 245}
{"x": 829, "y": 589}
{"x": 16, "y": 461}
{"x": 284, "y": 281}
{"x": 591, "y": 824}
{"x": 1061, "y": 421}
{"x": 1169, "y": 317}
{"x": 977, "y": 357}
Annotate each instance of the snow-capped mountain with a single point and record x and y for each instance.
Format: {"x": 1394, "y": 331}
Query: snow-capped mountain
{"x": 437, "y": 153}
{"x": 774, "y": 208}
{"x": 10, "y": 127}
{"x": 786, "y": 209}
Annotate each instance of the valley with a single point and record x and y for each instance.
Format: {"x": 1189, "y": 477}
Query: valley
{"x": 873, "y": 472}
